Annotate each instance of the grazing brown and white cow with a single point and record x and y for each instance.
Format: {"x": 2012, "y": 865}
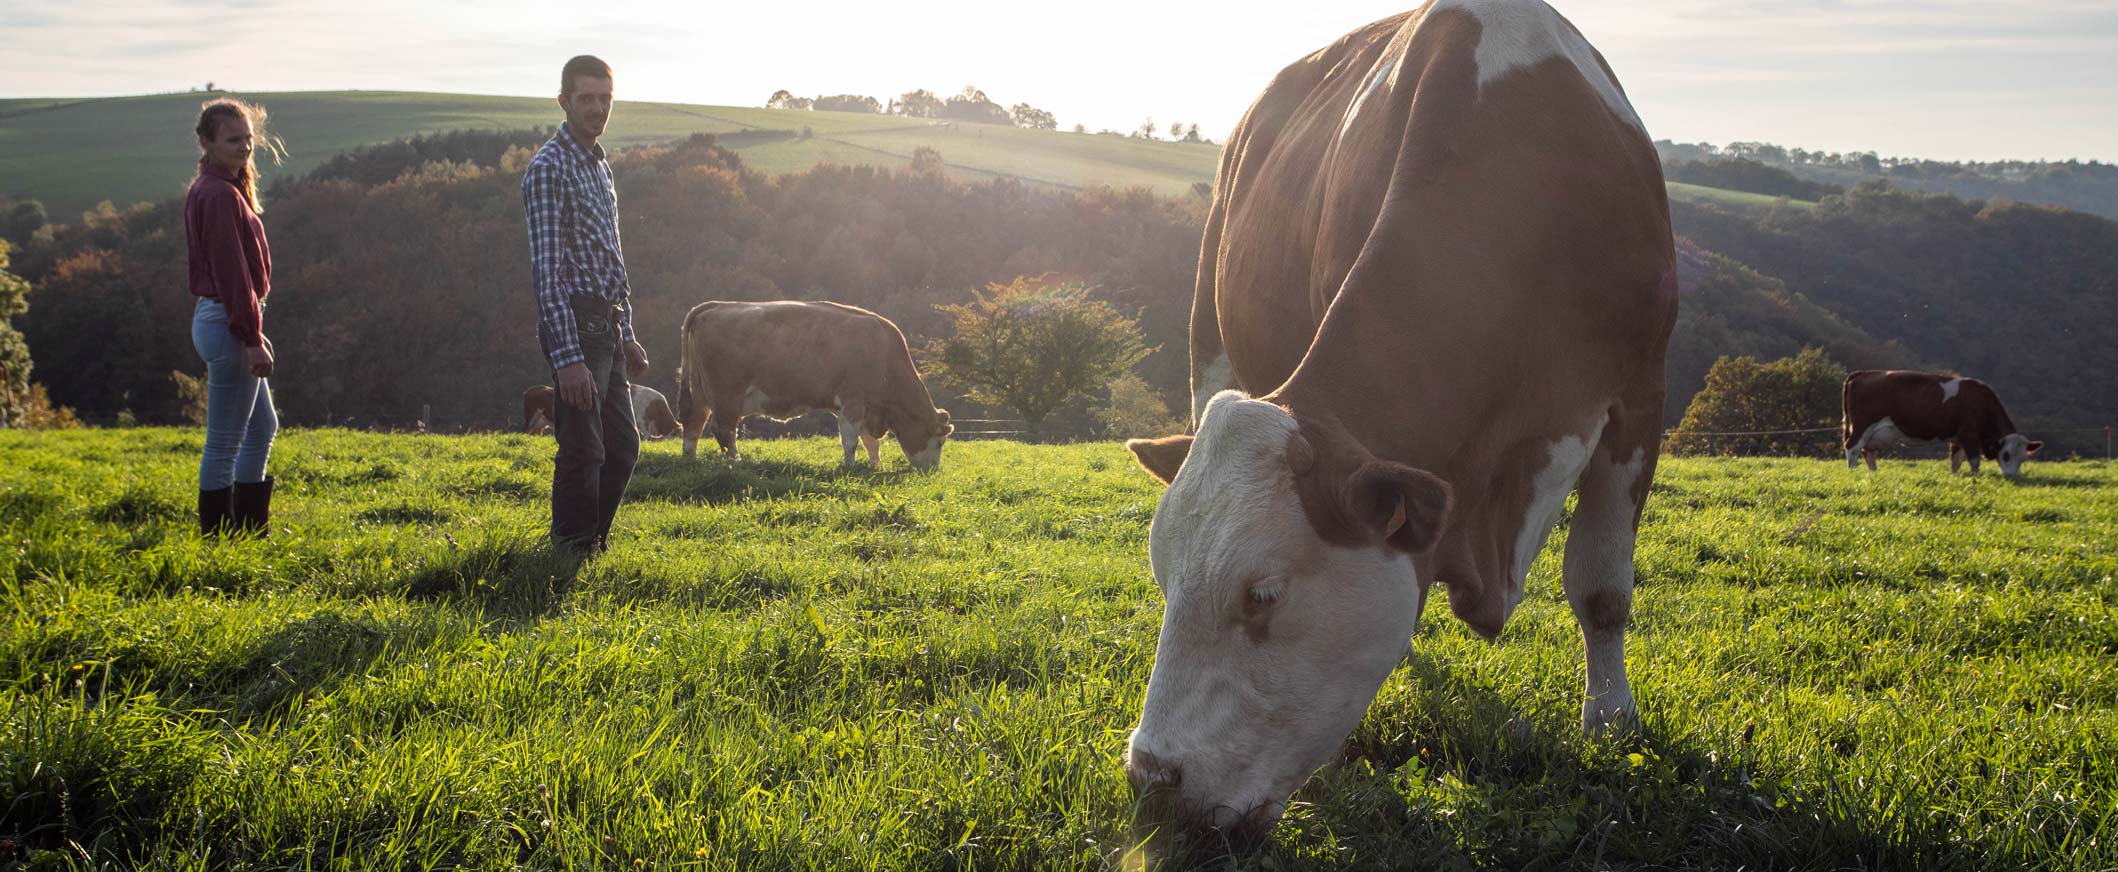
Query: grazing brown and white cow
{"x": 650, "y": 412}
{"x": 1884, "y": 408}
{"x": 537, "y": 409}
{"x": 1442, "y": 245}
{"x": 787, "y": 358}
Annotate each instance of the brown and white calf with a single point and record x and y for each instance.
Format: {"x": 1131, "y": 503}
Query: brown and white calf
{"x": 1884, "y": 408}
{"x": 650, "y": 412}
{"x": 787, "y": 358}
{"x": 537, "y": 409}
{"x": 1435, "y": 290}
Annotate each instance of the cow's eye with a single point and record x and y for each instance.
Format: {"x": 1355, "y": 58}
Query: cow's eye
{"x": 1261, "y": 596}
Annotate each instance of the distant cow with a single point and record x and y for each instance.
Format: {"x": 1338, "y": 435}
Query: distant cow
{"x": 1886, "y": 408}
{"x": 650, "y": 412}
{"x": 537, "y": 410}
{"x": 787, "y": 358}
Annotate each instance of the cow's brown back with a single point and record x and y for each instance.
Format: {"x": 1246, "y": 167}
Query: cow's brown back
{"x": 787, "y": 357}
{"x": 1920, "y": 406}
{"x": 1455, "y": 275}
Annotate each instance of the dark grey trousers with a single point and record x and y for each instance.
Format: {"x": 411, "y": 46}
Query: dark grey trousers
{"x": 597, "y": 448}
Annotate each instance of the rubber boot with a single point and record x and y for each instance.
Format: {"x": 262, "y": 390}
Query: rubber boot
{"x": 252, "y": 507}
{"x": 216, "y": 509}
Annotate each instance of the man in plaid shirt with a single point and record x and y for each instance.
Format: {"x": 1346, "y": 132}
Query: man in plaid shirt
{"x": 584, "y": 312}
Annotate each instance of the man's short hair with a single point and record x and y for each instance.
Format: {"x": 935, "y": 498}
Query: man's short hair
{"x": 581, "y": 65}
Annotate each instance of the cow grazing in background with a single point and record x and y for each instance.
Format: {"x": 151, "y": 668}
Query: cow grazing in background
{"x": 1884, "y": 408}
{"x": 1442, "y": 245}
{"x": 650, "y": 412}
{"x": 787, "y": 358}
{"x": 537, "y": 410}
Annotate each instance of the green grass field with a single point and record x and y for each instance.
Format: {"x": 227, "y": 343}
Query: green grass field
{"x": 1728, "y": 199}
{"x": 789, "y": 666}
{"x": 73, "y": 154}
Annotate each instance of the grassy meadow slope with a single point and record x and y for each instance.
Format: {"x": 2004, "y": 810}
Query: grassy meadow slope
{"x": 790, "y": 666}
{"x": 1725, "y": 198}
{"x": 76, "y": 153}
{"x": 72, "y": 154}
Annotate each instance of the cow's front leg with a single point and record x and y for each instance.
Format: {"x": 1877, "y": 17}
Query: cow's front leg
{"x": 1868, "y": 454}
{"x": 1956, "y": 458}
{"x": 724, "y": 433}
{"x": 848, "y": 432}
{"x": 874, "y": 446}
{"x": 1598, "y": 575}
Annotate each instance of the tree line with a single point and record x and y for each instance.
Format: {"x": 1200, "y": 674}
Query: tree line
{"x": 415, "y": 291}
{"x": 403, "y": 281}
{"x": 2087, "y": 186}
{"x": 971, "y": 104}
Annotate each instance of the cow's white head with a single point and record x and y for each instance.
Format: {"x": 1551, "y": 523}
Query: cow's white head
{"x": 1288, "y": 596}
{"x": 922, "y": 441}
{"x": 2014, "y": 449}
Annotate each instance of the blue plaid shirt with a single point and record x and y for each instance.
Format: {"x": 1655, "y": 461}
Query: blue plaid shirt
{"x": 573, "y": 233}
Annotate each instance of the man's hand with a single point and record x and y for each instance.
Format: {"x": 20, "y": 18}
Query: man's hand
{"x": 259, "y": 357}
{"x": 576, "y": 387}
{"x": 635, "y": 360}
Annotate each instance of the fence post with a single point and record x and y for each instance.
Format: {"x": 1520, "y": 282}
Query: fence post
{"x": 2106, "y": 441}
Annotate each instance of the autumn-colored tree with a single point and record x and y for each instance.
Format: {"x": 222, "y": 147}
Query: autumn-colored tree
{"x": 1760, "y": 400}
{"x": 1034, "y": 346}
{"x": 926, "y": 160}
{"x": 1136, "y": 410}
{"x": 14, "y": 353}
{"x": 24, "y": 219}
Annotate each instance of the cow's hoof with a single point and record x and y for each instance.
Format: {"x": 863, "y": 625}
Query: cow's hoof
{"x": 1603, "y": 720}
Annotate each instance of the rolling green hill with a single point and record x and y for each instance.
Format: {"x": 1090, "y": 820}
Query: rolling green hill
{"x": 72, "y": 154}
{"x": 1725, "y": 198}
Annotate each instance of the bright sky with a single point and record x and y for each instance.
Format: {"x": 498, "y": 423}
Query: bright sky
{"x": 1949, "y": 79}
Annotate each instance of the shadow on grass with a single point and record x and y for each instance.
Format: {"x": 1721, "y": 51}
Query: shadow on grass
{"x": 2042, "y": 482}
{"x": 710, "y": 480}
{"x": 82, "y": 779}
{"x": 317, "y": 653}
{"x": 511, "y": 578}
{"x": 1453, "y": 778}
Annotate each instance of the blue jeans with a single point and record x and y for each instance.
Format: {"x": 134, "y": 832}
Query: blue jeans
{"x": 240, "y": 420}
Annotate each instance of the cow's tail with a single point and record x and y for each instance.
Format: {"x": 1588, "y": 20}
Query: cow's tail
{"x": 691, "y": 370}
{"x": 1846, "y": 407}
{"x": 684, "y": 370}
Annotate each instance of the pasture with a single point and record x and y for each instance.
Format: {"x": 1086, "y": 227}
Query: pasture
{"x": 786, "y": 665}
{"x": 72, "y": 154}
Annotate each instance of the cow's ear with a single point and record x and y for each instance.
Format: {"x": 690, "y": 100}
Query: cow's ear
{"x": 1161, "y": 457}
{"x": 2034, "y": 446}
{"x": 942, "y": 424}
{"x": 1403, "y": 506}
